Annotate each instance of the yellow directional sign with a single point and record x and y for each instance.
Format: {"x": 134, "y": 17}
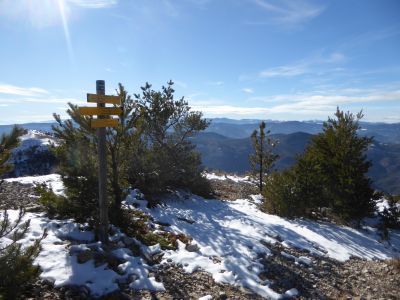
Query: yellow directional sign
{"x": 103, "y": 99}
{"x": 100, "y": 111}
{"x": 98, "y": 123}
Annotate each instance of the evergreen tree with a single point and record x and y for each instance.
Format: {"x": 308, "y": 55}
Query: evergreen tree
{"x": 330, "y": 173}
{"x": 77, "y": 154}
{"x": 263, "y": 159}
{"x": 16, "y": 269}
{"x": 168, "y": 125}
{"x": 340, "y": 153}
{"x": 7, "y": 143}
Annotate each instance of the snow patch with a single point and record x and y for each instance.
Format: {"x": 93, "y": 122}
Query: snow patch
{"x": 52, "y": 181}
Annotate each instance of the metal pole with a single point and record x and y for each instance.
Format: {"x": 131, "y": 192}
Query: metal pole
{"x": 103, "y": 203}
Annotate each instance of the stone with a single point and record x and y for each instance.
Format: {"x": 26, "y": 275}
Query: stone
{"x": 222, "y": 296}
{"x": 192, "y": 247}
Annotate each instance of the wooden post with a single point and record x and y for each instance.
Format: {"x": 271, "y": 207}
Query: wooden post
{"x": 103, "y": 203}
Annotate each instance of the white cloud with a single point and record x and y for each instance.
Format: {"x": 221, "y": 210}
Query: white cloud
{"x": 306, "y": 66}
{"x": 216, "y": 83}
{"x": 289, "y": 12}
{"x": 94, "y": 3}
{"x": 228, "y": 110}
{"x": 22, "y": 91}
{"x": 309, "y": 105}
{"x": 285, "y": 71}
{"x": 248, "y": 90}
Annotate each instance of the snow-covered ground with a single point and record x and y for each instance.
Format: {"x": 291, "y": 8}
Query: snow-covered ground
{"x": 35, "y": 138}
{"x": 238, "y": 233}
{"x": 231, "y": 237}
{"x": 234, "y": 178}
{"x": 53, "y": 181}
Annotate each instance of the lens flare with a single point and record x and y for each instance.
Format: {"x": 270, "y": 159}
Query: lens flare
{"x": 61, "y": 6}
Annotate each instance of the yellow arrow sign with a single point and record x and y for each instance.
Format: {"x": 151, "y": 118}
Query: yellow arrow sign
{"x": 97, "y": 123}
{"x": 100, "y": 111}
{"x": 103, "y": 99}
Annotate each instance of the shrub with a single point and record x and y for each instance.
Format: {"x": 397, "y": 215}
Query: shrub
{"x": 169, "y": 161}
{"x": 279, "y": 194}
{"x": 55, "y": 205}
{"x": 16, "y": 269}
{"x": 391, "y": 214}
{"x": 331, "y": 173}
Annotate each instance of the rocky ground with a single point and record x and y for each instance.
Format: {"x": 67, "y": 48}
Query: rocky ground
{"x": 13, "y": 195}
{"x": 320, "y": 278}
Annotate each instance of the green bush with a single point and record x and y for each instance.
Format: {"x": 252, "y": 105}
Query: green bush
{"x": 149, "y": 149}
{"x": 330, "y": 173}
{"x": 282, "y": 195}
{"x": 135, "y": 225}
{"x": 16, "y": 269}
{"x": 391, "y": 214}
{"x": 55, "y": 205}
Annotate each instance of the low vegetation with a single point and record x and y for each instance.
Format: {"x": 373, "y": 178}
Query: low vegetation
{"x": 150, "y": 150}
{"x": 16, "y": 269}
{"x": 331, "y": 173}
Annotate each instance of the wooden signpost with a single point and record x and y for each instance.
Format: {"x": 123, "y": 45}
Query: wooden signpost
{"x": 100, "y": 124}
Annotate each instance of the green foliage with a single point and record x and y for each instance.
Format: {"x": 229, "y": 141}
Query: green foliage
{"x": 16, "y": 269}
{"x": 149, "y": 149}
{"x": 331, "y": 173}
{"x": 341, "y": 155}
{"x": 135, "y": 225}
{"x": 77, "y": 154}
{"x": 263, "y": 159}
{"x": 7, "y": 143}
{"x": 169, "y": 159}
{"x": 391, "y": 214}
{"x": 279, "y": 194}
{"x": 55, "y": 205}
{"x": 77, "y": 164}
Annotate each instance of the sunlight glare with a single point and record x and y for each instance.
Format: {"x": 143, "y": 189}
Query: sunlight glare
{"x": 61, "y": 6}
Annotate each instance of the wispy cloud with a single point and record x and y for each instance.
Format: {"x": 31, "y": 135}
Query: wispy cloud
{"x": 248, "y": 90}
{"x": 227, "y": 110}
{"x": 285, "y": 71}
{"x": 288, "y": 12}
{"x": 329, "y": 99}
{"x": 216, "y": 83}
{"x": 308, "y": 105}
{"x": 44, "y": 100}
{"x": 22, "y": 91}
{"x": 308, "y": 65}
{"x": 94, "y": 3}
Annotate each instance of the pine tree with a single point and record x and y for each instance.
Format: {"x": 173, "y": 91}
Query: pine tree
{"x": 263, "y": 159}
{"x": 168, "y": 125}
{"x": 7, "y": 143}
{"x": 77, "y": 154}
{"x": 16, "y": 269}
{"x": 341, "y": 155}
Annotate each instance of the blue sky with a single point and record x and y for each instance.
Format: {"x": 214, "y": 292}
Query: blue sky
{"x": 283, "y": 60}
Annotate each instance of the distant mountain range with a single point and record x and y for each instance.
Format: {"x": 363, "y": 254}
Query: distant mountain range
{"x": 231, "y": 155}
{"x": 383, "y": 132}
{"x": 226, "y": 145}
